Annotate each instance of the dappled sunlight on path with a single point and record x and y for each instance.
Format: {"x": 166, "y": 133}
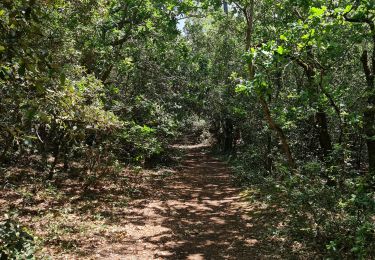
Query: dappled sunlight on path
{"x": 195, "y": 214}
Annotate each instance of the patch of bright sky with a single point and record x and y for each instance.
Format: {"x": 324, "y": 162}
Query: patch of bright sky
{"x": 181, "y": 22}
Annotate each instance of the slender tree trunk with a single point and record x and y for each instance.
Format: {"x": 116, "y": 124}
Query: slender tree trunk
{"x": 321, "y": 121}
{"x": 249, "y": 14}
{"x": 55, "y": 153}
{"x": 7, "y": 145}
{"x": 359, "y": 150}
{"x": 279, "y": 133}
{"x": 334, "y": 106}
{"x": 324, "y": 137}
{"x": 369, "y": 113}
{"x": 228, "y": 135}
{"x": 268, "y": 160}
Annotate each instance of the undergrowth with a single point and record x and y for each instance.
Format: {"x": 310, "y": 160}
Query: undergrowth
{"x": 330, "y": 221}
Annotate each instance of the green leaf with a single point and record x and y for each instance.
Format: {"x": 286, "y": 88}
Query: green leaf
{"x": 280, "y": 50}
{"x": 283, "y": 38}
{"x": 318, "y": 12}
{"x": 2, "y": 48}
{"x": 240, "y": 88}
{"x": 147, "y": 130}
{"x": 348, "y": 8}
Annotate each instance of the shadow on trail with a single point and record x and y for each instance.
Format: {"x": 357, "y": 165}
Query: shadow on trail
{"x": 198, "y": 214}
{"x": 191, "y": 212}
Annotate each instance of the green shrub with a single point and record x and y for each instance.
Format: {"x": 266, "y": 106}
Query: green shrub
{"x": 335, "y": 221}
{"x": 16, "y": 242}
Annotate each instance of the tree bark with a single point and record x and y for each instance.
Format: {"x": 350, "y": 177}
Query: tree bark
{"x": 279, "y": 132}
{"x": 324, "y": 137}
{"x": 369, "y": 113}
{"x": 321, "y": 121}
{"x": 249, "y": 14}
{"x": 228, "y": 135}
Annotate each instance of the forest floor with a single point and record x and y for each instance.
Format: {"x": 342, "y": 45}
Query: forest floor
{"x": 196, "y": 213}
{"x": 192, "y": 211}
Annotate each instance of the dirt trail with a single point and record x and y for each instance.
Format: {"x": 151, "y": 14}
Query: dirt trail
{"x": 196, "y": 213}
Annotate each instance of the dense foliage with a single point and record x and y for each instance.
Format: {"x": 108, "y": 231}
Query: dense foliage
{"x": 15, "y": 242}
{"x": 289, "y": 93}
{"x": 78, "y": 75}
{"x": 285, "y": 88}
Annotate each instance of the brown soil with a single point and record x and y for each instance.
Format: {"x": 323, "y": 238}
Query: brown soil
{"x": 193, "y": 211}
{"x": 195, "y": 214}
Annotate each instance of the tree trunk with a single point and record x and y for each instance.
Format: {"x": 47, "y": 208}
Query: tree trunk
{"x": 55, "y": 154}
{"x": 279, "y": 132}
{"x": 267, "y": 156}
{"x": 7, "y": 145}
{"x": 369, "y": 119}
{"x": 228, "y": 135}
{"x": 369, "y": 113}
{"x": 249, "y": 14}
{"x": 324, "y": 137}
{"x": 325, "y": 141}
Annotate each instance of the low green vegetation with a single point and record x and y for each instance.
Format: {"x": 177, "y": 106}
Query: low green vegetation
{"x": 284, "y": 89}
{"x": 16, "y": 242}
